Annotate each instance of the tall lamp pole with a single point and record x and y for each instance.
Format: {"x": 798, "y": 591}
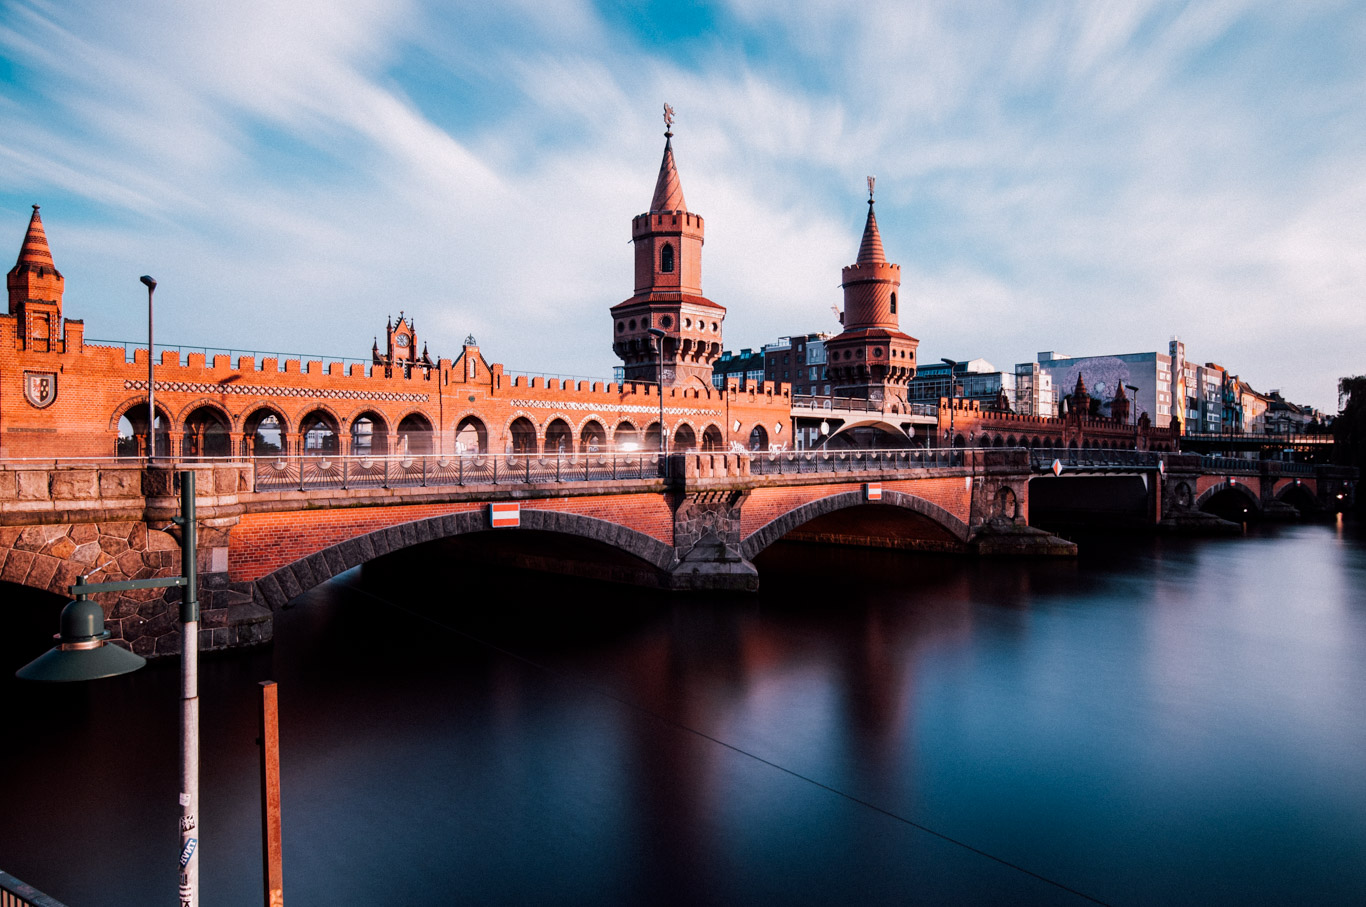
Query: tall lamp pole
{"x": 953, "y": 394}
{"x": 82, "y": 653}
{"x": 659, "y": 346}
{"x": 151, "y": 387}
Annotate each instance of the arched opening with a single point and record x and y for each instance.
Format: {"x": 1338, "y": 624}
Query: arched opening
{"x": 1300, "y": 497}
{"x": 666, "y": 258}
{"x": 959, "y": 441}
{"x": 893, "y": 303}
{"x": 1234, "y": 503}
{"x": 471, "y": 437}
{"x": 1005, "y": 503}
{"x": 712, "y": 440}
{"x": 559, "y": 437}
{"x": 318, "y": 431}
{"x": 132, "y": 441}
{"x": 523, "y": 436}
{"x": 651, "y": 442}
{"x": 369, "y": 435}
{"x": 758, "y": 438}
{"x": 263, "y": 434}
{"x": 684, "y": 438}
{"x": 206, "y": 434}
{"x": 900, "y": 522}
{"x": 593, "y": 437}
{"x": 415, "y": 435}
{"x": 626, "y": 438}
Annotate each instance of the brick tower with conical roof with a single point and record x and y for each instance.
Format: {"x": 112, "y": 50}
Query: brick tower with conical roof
{"x": 35, "y": 291}
{"x": 668, "y": 290}
{"x": 871, "y": 358}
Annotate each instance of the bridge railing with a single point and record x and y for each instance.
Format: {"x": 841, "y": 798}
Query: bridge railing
{"x": 1042, "y": 458}
{"x": 797, "y": 462}
{"x": 14, "y": 893}
{"x": 818, "y": 403}
{"x": 314, "y": 473}
{"x": 1233, "y": 464}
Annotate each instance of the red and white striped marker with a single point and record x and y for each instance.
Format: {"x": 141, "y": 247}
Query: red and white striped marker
{"x": 872, "y": 491}
{"x": 505, "y": 515}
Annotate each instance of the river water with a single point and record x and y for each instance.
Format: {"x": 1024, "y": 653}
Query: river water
{"x": 1161, "y": 721}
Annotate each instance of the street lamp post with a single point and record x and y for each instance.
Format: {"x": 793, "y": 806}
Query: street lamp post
{"x": 82, "y": 653}
{"x": 659, "y": 347}
{"x": 151, "y": 386}
{"x": 953, "y": 394}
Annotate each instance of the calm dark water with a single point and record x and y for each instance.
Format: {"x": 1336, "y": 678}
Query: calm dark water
{"x": 1162, "y": 721}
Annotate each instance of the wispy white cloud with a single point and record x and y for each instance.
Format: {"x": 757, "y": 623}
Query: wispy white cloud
{"x": 1066, "y": 176}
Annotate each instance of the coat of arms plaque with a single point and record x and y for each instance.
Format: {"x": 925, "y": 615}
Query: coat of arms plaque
{"x": 40, "y": 388}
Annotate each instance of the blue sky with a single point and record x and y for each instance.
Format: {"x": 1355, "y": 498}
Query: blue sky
{"x": 1090, "y": 178}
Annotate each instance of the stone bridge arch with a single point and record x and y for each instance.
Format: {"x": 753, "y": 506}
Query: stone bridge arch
{"x": 780, "y": 526}
{"x": 1240, "y": 488}
{"x": 287, "y": 582}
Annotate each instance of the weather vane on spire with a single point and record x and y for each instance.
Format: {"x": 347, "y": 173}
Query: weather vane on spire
{"x": 871, "y": 181}
{"x": 668, "y": 120}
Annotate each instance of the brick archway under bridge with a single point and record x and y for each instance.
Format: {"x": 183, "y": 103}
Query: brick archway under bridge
{"x": 952, "y": 533}
{"x": 289, "y": 580}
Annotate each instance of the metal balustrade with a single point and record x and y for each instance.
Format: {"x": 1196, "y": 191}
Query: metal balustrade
{"x": 797, "y": 462}
{"x": 1231, "y": 464}
{"x": 818, "y": 403}
{"x": 14, "y": 893}
{"x": 318, "y": 473}
{"x": 1042, "y": 458}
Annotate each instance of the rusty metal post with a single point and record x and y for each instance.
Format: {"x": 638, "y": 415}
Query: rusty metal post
{"x": 270, "y": 795}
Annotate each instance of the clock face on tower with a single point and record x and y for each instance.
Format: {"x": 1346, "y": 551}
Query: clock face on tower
{"x": 401, "y": 341}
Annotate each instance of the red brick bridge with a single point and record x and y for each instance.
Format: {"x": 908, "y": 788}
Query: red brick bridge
{"x": 272, "y": 528}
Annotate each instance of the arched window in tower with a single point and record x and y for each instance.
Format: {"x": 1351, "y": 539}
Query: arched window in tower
{"x": 666, "y": 258}
{"x": 893, "y": 303}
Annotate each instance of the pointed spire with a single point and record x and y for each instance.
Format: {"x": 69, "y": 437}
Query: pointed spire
{"x": 1119, "y": 392}
{"x": 668, "y": 189}
{"x": 35, "y": 253}
{"x": 870, "y": 250}
{"x": 1080, "y": 390}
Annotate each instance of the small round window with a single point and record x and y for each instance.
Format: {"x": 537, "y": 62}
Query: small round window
{"x": 621, "y": 327}
{"x": 633, "y": 324}
{"x": 667, "y": 321}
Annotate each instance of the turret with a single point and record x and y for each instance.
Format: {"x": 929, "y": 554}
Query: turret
{"x": 871, "y": 357}
{"x": 668, "y": 296}
{"x": 35, "y": 291}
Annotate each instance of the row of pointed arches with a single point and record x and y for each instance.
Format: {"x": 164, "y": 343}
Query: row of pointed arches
{"x": 208, "y": 431}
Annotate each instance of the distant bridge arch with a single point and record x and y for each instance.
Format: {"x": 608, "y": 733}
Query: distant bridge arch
{"x": 1240, "y": 489}
{"x": 780, "y": 526}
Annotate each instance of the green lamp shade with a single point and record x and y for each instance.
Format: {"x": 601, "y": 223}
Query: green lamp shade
{"x": 82, "y": 653}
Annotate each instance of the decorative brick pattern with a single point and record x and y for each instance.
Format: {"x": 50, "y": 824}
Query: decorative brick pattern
{"x": 266, "y": 390}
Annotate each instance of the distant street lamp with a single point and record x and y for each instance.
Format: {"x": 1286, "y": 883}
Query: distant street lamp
{"x": 82, "y": 653}
{"x": 659, "y": 347}
{"x": 151, "y": 387}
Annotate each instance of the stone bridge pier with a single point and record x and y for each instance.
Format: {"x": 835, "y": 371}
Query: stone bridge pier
{"x": 112, "y": 522}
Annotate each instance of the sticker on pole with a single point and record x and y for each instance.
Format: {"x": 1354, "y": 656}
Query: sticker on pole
{"x": 188, "y": 852}
{"x": 1057, "y": 468}
{"x": 872, "y": 491}
{"x": 505, "y": 515}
